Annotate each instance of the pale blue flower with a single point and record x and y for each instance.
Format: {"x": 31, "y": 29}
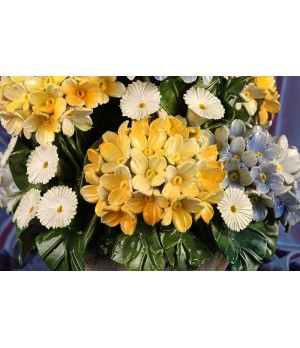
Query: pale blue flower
{"x": 221, "y": 136}
{"x": 237, "y": 128}
{"x": 265, "y": 178}
{"x": 236, "y": 176}
{"x": 260, "y": 204}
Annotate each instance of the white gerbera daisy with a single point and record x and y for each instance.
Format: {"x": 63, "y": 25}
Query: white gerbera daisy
{"x": 27, "y": 208}
{"x": 140, "y": 100}
{"x": 236, "y": 209}
{"x": 42, "y": 164}
{"x": 204, "y": 103}
{"x": 57, "y": 207}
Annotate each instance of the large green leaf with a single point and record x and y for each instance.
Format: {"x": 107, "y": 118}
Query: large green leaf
{"x": 272, "y": 233}
{"x": 184, "y": 250}
{"x": 139, "y": 252}
{"x": 246, "y": 249}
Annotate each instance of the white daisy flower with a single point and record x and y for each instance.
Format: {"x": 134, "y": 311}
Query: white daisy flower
{"x": 57, "y": 207}
{"x": 236, "y": 209}
{"x": 42, "y": 164}
{"x": 203, "y": 103}
{"x": 27, "y": 208}
{"x": 140, "y": 100}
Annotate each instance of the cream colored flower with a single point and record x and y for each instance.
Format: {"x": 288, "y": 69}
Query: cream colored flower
{"x": 108, "y": 87}
{"x": 153, "y": 145}
{"x": 18, "y": 97}
{"x": 95, "y": 194}
{"x": 78, "y": 117}
{"x": 140, "y": 100}
{"x": 178, "y": 151}
{"x": 150, "y": 173}
{"x": 117, "y": 215}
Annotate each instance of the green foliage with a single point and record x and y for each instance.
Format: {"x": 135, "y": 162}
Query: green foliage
{"x": 272, "y": 233}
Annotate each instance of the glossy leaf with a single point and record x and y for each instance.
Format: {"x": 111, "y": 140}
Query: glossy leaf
{"x": 272, "y": 233}
{"x": 246, "y": 249}
{"x": 139, "y": 252}
{"x": 184, "y": 250}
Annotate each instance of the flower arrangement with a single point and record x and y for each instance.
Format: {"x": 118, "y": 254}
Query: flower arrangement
{"x": 150, "y": 172}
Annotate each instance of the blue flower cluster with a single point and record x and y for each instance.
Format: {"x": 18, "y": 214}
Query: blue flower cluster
{"x": 265, "y": 167}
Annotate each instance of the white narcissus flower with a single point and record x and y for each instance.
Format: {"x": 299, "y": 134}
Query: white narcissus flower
{"x": 236, "y": 209}
{"x": 57, "y": 207}
{"x": 140, "y": 100}
{"x": 27, "y": 208}
{"x": 42, "y": 164}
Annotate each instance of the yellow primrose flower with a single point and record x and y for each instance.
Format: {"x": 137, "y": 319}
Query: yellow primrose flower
{"x": 265, "y": 82}
{"x": 250, "y": 94}
{"x": 115, "y": 149}
{"x": 210, "y": 176}
{"x": 178, "y": 151}
{"x": 49, "y": 101}
{"x": 108, "y": 87}
{"x": 33, "y": 83}
{"x": 118, "y": 185}
{"x": 81, "y": 94}
{"x": 269, "y": 107}
{"x": 171, "y": 125}
{"x": 44, "y": 125}
{"x": 150, "y": 173}
{"x": 179, "y": 213}
{"x": 18, "y": 97}
{"x": 92, "y": 170}
{"x": 117, "y": 215}
{"x": 78, "y": 117}
{"x": 95, "y": 194}
{"x": 181, "y": 180}
{"x": 151, "y": 206}
{"x": 148, "y": 147}
{"x": 14, "y": 122}
{"x": 142, "y": 125}
{"x": 209, "y": 153}
{"x": 207, "y": 199}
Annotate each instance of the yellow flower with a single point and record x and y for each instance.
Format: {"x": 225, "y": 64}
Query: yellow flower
{"x": 181, "y": 180}
{"x": 81, "y": 94}
{"x": 14, "y": 123}
{"x": 92, "y": 169}
{"x": 142, "y": 125}
{"x": 118, "y": 185}
{"x": 179, "y": 213}
{"x": 18, "y": 97}
{"x": 115, "y": 149}
{"x": 207, "y": 199}
{"x": 265, "y": 82}
{"x": 210, "y": 176}
{"x": 269, "y": 107}
{"x": 171, "y": 125}
{"x": 117, "y": 215}
{"x": 78, "y": 117}
{"x": 250, "y": 94}
{"x": 151, "y": 206}
{"x": 148, "y": 147}
{"x": 209, "y": 153}
{"x": 95, "y": 194}
{"x": 33, "y": 83}
{"x": 178, "y": 151}
{"x": 150, "y": 173}
{"x": 108, "y": 87}
{"x": 48, "y": 102}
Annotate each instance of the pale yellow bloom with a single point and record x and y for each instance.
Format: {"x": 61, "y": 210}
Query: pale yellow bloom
{"x": 210, "y": 176}
{"x": 265, "y": 82}
{"x": 81, "y": 94}
{"x": 179, "y": 213}
{"x": 150, "y": 173}
{"x": 117, "y": 215}
{"x": 108, "y": 87}
{"x": 153, "y": 145}
{"x": 18, "y": 97}
{"x": 95, "y": 194}
{"x": 92, "y": 170}
{"x": 178, "y": 151}
{"x": 78, "y": 117}
{"x": 14, "y": 122}
{"x": 33, "y": 83}
{"x": 142, "y": 125}
{"x": 171, "y": 125}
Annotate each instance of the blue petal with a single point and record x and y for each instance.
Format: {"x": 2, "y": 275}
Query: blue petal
{"x": 160, "y": 78}
{"x": 275, "y": 182}
{"x": 237, "y": 128}
{"x": 271, "y": 151}
{"x": 278, "y": 208}
{"x": 257, "y": 142}
{"x": 262, "y": 187}
{"x": 189, "y": 79}
{"x": 259, "y": 212}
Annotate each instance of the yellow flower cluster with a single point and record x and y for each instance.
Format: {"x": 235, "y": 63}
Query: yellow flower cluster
{"x": 162, "y": 169}
{"x": 261, "y": 97}
{"x": 46, "y": 105}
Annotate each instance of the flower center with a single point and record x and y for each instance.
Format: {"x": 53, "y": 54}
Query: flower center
{"x": 149, "y": 199}
{"x": 45, "y": 165}
{"x": 279, "y": 167}
{"x": 237, "y": 157}
{"x": 175, "y": 157}
{"x": 254, "y": 199}
{"x": 148, "y": 152}
{"x": 26, "y": 96}
{"x": 233, "y": 209}
{"x": 202, "y": 106}
{"x": 234, "y": 176}
{"x": 80, "y": 93}
{"x": 48, "y": 81}
{"x": 150, "y": 173}
{"x": 177, "y": 181}
{"x": 50, "y": 102}
{"x": 177, "y": 206}
{"x": 59, "y": 209}
{"x": 121, "y": 160}
{"x": 247, "y": 94}
{"x": 102, "y": 86}
{"x": 31, "y": 210}
{"x": 142, "y": 105}
{"x": 124, "y": 185}
{"x": 259, "y": 154}
{"x": 263, "y": 177}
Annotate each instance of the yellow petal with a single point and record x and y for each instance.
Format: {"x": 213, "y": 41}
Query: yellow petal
{"x": 136, "y": 204}
{"x": 128, "y": 224}
{"x": 157, "y": 139}
{"x": 110, "y": 137}
{"x": 118, "y": 196}
{"x": 109, "y": 182}
{"x": 182, "y": 220}
{"x": 138, "y": 139}
{"x": 152, "y": 213}
{"x": 141, "y": 183}
{"x": 206, "y": 213}
{"x": 139, "y": 165}
{"x": 116, "y": 89}
{"x": 110, "y": 152}
{"x": 90, "y": 193}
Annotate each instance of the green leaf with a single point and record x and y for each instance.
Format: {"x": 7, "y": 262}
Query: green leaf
{"x": 139, "y": 252}
{"x": 184, "y": 250}
{"x": 272, "y": 233}
{"x": 246, "y": 249}
{"x": 172, "y": 90}
{"x": 17, "y": 165}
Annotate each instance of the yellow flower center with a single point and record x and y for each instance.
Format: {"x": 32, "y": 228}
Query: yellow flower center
{"x": 176, "y": 181}
{"x": 59, "y": 209}
{"x": 31, "y": 210}
{"x": 124, "y": 185}
{"x": 142, "y": 105}
{"x": 247, "y": 94}
{"x": 175, "y": 157}
{"x": 26, "y": 96}
{"x": 234, "y": 176}
{"x": 254, "y": 199}
{"x": 45, "y": 120}
{"x": 80, "y": 93}
{"x": 259, "y": 154}
{"x": 48, "y": 80}
{"x": 233, "y": 209}
{"x": 237, "y": 157}
{"x": 102, "y": 85}
{"x": 45, "y": 165}
{"x": 121, "y": 160}
{"x": 177, "y": 206}
{"x": 50, "y": 102}
{"x": 279, "y": 167}
{"x": 150, "y": 173}
{"x": 263, "y": 177}
{"x": 149, "y": 199}
{"x": 148, "y": 152}
{"x": 202, "y": 106}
